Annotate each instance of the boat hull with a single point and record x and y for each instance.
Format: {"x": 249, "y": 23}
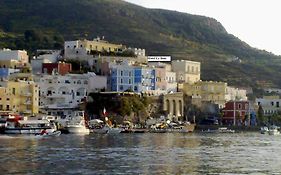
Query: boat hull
{"x": 27, "y": 130}
{"x": 78, "y": 130}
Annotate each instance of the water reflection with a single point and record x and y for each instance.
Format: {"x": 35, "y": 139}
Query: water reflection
{"x": 155, "y": 153}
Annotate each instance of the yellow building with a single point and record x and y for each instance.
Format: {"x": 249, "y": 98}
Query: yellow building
{"x": 19, "y": 97}
{"x": 187, "y": 71}
{"x": 207, "y": 91}
{"x": 80, "y": 48}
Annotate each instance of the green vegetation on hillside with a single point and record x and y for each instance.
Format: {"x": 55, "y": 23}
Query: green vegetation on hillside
{"x": 181, "y": 35}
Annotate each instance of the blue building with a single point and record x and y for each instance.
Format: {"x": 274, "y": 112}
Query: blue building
{"x": 134, "y": 78}
{"x": 5, "y": 72}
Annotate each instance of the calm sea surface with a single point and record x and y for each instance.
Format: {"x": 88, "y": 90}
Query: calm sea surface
{"x": 151, "y": 153}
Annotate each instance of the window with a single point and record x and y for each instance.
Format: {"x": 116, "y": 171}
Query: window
{"x": 135, "y": 88}
{"x": 239, "y": 106}
{"x": 85, "y": 82}
{"x": 272, "y": 103}
{"x": 77, "y": 93}
{"x": 277, "y": 104}
{"x": 121, "y": 80}
{"x": 77, "y": 52}
{"x": 130, "y": 74}
{"x": 8, "y": 107}
{"x": 8, "y": 99}
{"x": 129, "y": 81}
{"x": 78, "y": 82}
{"x": 1, "y": 107}
{"x": 81, "y": 45}
{"x": 121, "y": 73}
{"x": 14, "y": 91}
{"x": 67, "y": 81}
{"x": 49, "y": 92}
{"x": 121, "y": 88}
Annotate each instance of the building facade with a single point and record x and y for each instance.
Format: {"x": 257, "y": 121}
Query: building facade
{"x": 133, "y": 78}
{"x": 233, "y": 93}
{"x": 59, "y": 95}
{"x": 206, "y": 91}
{"x": 187, "y": 71}
{"x": 270, "y": 105}
{"x": 56, "y": 68}
{"x": 18, "y": 55}
{"x": 19, "y": 97}
{"x": 235, "y": 112}
{"x": 81, "y": 48}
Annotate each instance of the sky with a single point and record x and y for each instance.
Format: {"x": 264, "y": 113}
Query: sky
{"x": 257, "y": 22}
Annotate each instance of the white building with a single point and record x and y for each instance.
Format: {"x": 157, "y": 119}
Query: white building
{"x": 187, "y": 71}
{"x": 137, "y": 51}
{"x": 59, "y": 95}
{"x": 14, "y": 55}
{"x": 270, "y": 104}
{"x": 235, "y": 94}
{"x": 48, "y": 56}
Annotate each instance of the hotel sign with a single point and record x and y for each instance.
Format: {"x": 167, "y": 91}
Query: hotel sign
{"x": 159, "y": 58}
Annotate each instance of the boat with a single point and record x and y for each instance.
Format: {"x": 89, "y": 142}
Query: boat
{"x": 185, "y": 128}
{"x": 77, "y": 124}
{"x": 273, "y": 130}
{"x": 16, "y": 125}
{"x": 264, "y": 130}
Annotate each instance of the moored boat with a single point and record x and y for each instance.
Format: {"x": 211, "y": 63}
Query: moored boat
{"x": 16, "y": 125}
{"x": 273, "y": 130}
{"x": 77, "y": 124}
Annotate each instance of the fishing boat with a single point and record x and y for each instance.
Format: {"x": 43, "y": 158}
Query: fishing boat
{"x": 77, "y": 124}
{"x": 15, "y": 124}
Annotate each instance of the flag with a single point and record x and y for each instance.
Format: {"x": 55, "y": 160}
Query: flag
{"x": 104, "y": 111}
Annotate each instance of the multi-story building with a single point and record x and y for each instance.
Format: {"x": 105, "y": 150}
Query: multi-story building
{"x": 207, "y": 91}
{"x": 135, "y": 78}
{"x": 235, "y": 112}
{"x": 82, "y": 48}
{"x": 59, "y": 95}
{"x": 19, "y": 55}
{"x": 187, "y": 71}
{"x": 165, "y": 78}
{"x": 270, "y": 104}
{"x": 19, "y": 97}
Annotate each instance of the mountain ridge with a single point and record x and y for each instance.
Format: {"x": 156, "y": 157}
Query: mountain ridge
{"x": 182, "y": 35}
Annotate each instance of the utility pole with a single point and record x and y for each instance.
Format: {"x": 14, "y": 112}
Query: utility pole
{"x": 234, "y": 122}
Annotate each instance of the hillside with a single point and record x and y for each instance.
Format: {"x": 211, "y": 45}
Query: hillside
{"x": 181, "y": 35}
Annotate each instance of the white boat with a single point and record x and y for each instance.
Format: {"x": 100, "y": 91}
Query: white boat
{"x": 273, "y": 130}
{"x": 18, "y": 126}
{"x": 77, "y": 124}
{"x": 264, "y": 130}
